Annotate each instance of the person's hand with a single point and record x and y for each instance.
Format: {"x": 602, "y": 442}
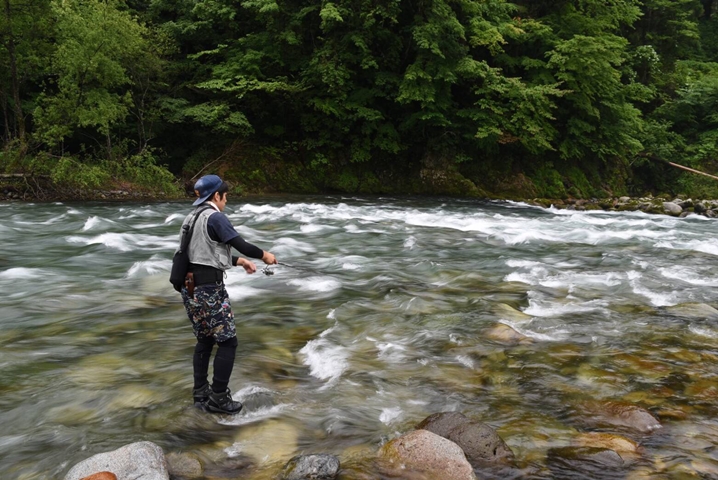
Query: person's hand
{"x": 269, "y": 258}
{"x": 248, "y": 266}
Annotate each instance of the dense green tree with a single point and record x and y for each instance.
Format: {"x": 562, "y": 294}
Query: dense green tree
{"x": 564, "y": 90}
{"x": 25, "y": 41}
{"x": 96, "y": 44}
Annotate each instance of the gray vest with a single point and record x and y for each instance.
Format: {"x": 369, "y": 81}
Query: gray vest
{"x": 202, "y": 249}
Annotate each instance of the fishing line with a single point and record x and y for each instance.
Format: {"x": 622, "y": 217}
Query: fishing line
{"x": 268, "y": 271}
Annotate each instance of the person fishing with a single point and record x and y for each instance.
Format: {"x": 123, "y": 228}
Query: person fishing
{"x": 205, "y": 297}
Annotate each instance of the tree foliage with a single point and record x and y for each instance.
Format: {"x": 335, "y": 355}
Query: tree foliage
{"x": 570, "y": 89}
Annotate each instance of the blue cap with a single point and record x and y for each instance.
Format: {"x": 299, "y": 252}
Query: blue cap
{"x": 206, "y": 186}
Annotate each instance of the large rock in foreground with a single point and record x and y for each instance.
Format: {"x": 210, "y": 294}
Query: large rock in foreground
{"x": 481, "y": 444}
{"x": 427, "y": 453}
{"x": 138, "y": 461}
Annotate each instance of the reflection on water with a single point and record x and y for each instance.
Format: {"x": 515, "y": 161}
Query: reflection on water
{"x": 390, "y": 310}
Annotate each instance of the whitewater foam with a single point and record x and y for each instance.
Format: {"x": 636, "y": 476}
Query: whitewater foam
{"x": 326, "y": 360}
{"x": 315, "y": 284}
{"x": 704, "y": 331}
{"x": 22, "y": 273}
{"x": 389, "y": 415}
{"x": 148, "y": 267}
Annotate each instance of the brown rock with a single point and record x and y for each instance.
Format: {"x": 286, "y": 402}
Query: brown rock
{"x": 101, "y": 476}
{"x": 442, "y": 423}
{"x": 426, "y": 453}
{"x": 481, "y": 444}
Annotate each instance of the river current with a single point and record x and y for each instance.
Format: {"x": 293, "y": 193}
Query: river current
{"x": 391, "y": 309}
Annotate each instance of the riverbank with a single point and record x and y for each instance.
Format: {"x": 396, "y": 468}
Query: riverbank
{"x": 679, "y": 206}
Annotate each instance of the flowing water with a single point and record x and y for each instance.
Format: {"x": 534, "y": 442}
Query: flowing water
{"x": 392, "y": 309}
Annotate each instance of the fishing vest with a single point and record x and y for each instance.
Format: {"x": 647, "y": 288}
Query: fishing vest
{"x": 202, "y": 249}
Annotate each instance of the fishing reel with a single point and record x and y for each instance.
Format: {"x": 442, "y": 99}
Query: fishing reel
{"x": 267, "y": 271}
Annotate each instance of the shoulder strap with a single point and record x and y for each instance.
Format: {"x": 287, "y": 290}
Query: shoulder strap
{"x": 188, "y": 231}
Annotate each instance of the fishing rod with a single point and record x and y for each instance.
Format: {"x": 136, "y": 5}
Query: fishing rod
{"x": 268, "y": 271}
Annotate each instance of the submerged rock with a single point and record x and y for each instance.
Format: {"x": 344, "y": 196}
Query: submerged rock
{"x": 584, "y": 462}
{"x": 317, "y": 466}
{"x": 138, "y": 461}
{"x": 625, "y": 447}
{"x": 505, "y": 334}
{"x": 425, "y": 452}
{"x": 618, "y": 414}
{"x": 481, "y": 444}
{"x": 693, "y": 310}
{"x": 269, "y": 441}
{"x": 508, "y": 312}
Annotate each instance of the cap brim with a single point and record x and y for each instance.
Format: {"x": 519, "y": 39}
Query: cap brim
{"x": 201, "y": 200}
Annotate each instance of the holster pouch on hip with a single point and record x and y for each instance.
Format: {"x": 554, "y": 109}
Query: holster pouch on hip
{"x": 189, "y": 284}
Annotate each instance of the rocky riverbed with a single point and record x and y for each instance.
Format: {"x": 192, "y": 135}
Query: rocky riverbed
{"x": 674, "y": 206}
{"x": 446, "y": 445}
{"x": 585, "y": 340}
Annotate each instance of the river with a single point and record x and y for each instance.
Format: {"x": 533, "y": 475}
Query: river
{"x": 387, "y": 313}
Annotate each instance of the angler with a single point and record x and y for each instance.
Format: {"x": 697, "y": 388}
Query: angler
{"x": 205, "y": 297}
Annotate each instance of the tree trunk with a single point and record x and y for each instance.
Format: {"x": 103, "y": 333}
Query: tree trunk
{"x": 707, "y": 8}
{"x": 6, "y": 118}
{"x": 19, "y": 117}
{"x": 109, "y": 145}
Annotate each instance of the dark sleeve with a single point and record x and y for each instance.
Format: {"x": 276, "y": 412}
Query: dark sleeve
{"x": 246, "y": 248}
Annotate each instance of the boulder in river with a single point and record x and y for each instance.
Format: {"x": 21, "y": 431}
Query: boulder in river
{"x": 481, "y": 444}
{"x": 138, "y": 461}
{"x": 672, "y": 208}
{"x": 316, "y": 466}
{"x": 426, "y": 453}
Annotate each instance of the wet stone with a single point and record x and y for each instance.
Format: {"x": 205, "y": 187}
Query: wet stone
{"x": 481, "y": 444}
{"x": 317, "y": 466}
{"x": 625, "y": 447}
{"x": 505, "y": 334}
{"x": 618, "y": 414}
{"x": 229, "y": 468}
{"x": 584, "y": 462}
{"x": 184, "y": 465}
{"x": 139, "y": 461}
{"x": 260, "y": 399}
{"x": 693, "y": 311}
{"x": 425, "y": 452}
{"x": 269, "y": 441}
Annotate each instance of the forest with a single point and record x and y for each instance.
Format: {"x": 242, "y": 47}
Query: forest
{"x": 552, "y": 99}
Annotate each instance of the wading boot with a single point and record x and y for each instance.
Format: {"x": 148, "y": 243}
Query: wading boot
{"x": 201, "y": 395}
{"x": 223, "y": 403}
